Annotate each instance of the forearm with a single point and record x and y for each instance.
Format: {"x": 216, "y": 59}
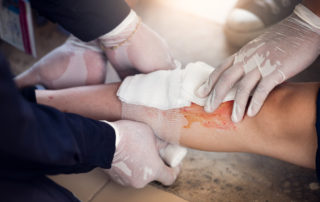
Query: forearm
{"x": 313, "y": 5}
{"x": 283, "y": 129}
{"x": 38, "y": 140}
{"x": 97, "y": 102}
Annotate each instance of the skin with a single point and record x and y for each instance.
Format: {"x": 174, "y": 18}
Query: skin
{"x": 284, "y": 128}
{"x": 313, "y": 5}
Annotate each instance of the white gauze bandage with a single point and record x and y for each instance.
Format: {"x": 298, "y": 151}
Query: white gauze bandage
{"x": 167, "y": 89}
{"x": 155, "y": 99}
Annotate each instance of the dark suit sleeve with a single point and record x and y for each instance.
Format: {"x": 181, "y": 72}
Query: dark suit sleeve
{"x": 36, "y": 139}
{"x": 86, "y": 19}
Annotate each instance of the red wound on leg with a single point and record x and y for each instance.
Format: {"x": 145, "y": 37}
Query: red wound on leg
{"x": 219, "y": 119}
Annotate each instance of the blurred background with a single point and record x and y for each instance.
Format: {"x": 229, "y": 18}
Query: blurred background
{"x": 194, "y": 30}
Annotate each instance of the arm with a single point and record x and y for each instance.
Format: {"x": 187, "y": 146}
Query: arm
{"x": 265, "y": 62}
{"x": 284, "y": 129}
{"x": 107, "y": 25}
{"x": 37, "y": 140}
{"x": 75, "y": 62}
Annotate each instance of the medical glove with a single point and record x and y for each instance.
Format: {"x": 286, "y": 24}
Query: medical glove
{"x": 74, "y": 63}
{"x": 132, "y": 46}
{"x": 136, "y": 160}
{"x": 280, "y": 53}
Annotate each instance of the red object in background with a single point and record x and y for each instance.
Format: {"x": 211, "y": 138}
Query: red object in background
{"x": 16, "y": 25}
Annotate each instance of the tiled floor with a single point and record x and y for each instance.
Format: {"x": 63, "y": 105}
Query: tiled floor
{"x": 205, "y": 176}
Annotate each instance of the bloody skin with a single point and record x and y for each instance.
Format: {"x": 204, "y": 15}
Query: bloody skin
{"x": 219, "y": 119}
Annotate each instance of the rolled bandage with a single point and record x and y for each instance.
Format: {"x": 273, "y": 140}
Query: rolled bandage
{"x": 173, "y": 154}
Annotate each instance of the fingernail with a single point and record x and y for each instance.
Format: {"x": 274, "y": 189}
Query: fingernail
{"x": 250, "y": 111}
{"x": 235, "y": 111}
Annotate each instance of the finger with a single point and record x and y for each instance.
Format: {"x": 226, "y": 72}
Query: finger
{"x": 168, "y": 175}
{"x": 224, "y": 84}
{"x": 206, "y": 87}
{"x": 244, "y": 89}
{"x": 262, "y": 91}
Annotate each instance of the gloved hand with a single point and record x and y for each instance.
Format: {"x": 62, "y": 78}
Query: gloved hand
{"x": 283, "y": 51}
{"x": 74, "y": 63}
{"x": 136, "y": 160}
{"x": 133, "y": 46}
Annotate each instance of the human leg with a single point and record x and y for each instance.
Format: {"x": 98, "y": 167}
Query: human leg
{"x": 284, "y": 129}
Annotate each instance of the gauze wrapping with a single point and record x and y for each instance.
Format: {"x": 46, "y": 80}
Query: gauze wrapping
{"x": 166, "y": 124}
{"x": 167, "y": 89}
{"x": 173, "y": 154}
{"x": 160, "y": 89}
{"x": 155, "y": 99}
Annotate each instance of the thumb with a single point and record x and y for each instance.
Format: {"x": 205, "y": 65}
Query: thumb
{"x": 167, "y": 175}
{"x": 206, "y": 87}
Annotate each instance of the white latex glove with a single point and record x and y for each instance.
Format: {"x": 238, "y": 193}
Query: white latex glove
{"x": 74, "y": 63}
{"x": 132, "y": 46}
{"x": 136, "y": 160}
{"x": 283, "y": 51}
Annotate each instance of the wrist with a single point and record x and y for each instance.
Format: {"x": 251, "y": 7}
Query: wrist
{"x": 308, "y": 16}
{"x": 123, "y": 32}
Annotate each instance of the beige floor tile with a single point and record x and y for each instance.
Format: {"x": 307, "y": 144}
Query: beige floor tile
{"x": 116, "y": 193}
{"x": 84, "y": 186}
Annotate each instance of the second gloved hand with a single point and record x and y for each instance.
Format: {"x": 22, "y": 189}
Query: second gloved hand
{"x": 283, "y": 51}
{"x": 74, "y": 63}
{"x": 136, "y": 160}
{"x": 132, "y": 46}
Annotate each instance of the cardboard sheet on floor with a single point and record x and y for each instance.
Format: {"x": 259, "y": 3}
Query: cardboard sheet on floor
{"x": 96, "y": 186}
{"x": 84, "y": 186}
{"x": 116, "y": 193}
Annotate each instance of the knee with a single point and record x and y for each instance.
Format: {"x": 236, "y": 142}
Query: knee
{"x": 289, "y": 112}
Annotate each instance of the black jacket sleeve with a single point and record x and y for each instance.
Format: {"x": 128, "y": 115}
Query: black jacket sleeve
{"x": 86, "y": 19}
{"x": 36, "y": 139}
